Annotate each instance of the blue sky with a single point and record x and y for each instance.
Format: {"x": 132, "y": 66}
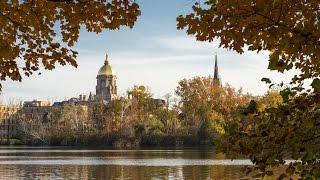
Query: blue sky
{"x": 154, "y": 53}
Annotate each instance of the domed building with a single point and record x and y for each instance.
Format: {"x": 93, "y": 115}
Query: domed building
{"x": 106, "y": 89}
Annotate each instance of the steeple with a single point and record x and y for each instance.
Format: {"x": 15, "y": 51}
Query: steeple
{"x": 106, "y": 62}
{"x": 216, "y": 77}
{"x": 90, "y": 97}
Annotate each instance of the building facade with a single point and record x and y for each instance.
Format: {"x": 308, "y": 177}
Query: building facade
{"x": 35, "y": 109}
{"x": 8, "y": 121}
{"x": 36, "y": 103}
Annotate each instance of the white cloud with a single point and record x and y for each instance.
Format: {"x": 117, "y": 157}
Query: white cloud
{"x": 169, "y": 60}
{"x": 185, "y": 43}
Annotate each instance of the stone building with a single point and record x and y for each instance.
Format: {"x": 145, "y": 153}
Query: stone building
{"x": 36, "y": 103}
{"x": 11, "y": 114}
{"x": 82, "y": 100}
{"x": 106, "y": 89}
{"x": 8, "y": 122}
{"x": 44, "y": 112}
{"x": 159, "y": 102}
{"x": 36, "y": 109}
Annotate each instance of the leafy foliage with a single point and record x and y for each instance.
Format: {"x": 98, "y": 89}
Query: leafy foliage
{"x": 289, "y": 130}
{"x": 202, "y": 102}
{"x": 197, "y": 118}
{"x": 290, "y": 31}
{"x": 35, "y": 32}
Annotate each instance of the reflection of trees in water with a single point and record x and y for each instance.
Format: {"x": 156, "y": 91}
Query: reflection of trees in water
{"x": 122, "y": 172}
{"x": 102, "y": 172}
{"x": 85, "y": 172}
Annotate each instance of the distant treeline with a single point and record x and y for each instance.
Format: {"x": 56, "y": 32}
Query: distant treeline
{"x": 197, "y": 115}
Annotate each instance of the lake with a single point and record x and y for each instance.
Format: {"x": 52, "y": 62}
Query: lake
{"x": 77, "y": 163}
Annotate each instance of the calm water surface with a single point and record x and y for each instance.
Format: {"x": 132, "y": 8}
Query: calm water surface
{"x": 76, "y": 163}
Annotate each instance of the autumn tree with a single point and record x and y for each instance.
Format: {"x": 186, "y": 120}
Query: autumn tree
{"x": 143, "y": 108}
{"x": 102, "y": 118}
{"x": 43, "y": 32}
{"x": 35, "y": 128}
{"x": 154, "y": 124}
{"x": 290, "y": 31}
{"x": 271, "y": 99}
{"x": 141, "y": 102}
{"x": 204, "y": 104}
{"x": 72, "y": 125}
{"x": 119, "y": 121}
{"x": 168, "y": 117}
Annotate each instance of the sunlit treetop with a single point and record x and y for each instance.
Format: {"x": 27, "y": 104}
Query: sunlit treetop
{"x": 288, "y": 29}
{"x": 35, "y": 32}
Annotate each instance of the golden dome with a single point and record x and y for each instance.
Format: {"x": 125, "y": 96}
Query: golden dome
{"x": 106, "y": 69}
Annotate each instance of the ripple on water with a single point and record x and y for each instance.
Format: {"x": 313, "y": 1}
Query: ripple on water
{"x": 129, "y": 162}
{"x": 46, "y": 163}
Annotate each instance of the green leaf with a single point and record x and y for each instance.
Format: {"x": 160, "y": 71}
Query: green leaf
{"x": 273, "y": 62}
{"x": 316, "y": 85}
{"x": 266, "y": 80}
{"x": 285, "y": 94}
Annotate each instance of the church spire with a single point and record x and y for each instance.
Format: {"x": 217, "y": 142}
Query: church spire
{"x": 216, "y": 77}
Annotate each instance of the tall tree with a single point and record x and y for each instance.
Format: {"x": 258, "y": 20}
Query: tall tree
{"x": 201, "y": 101}
{"x": 35, "y": 32}
{"x": 290, "y": 31}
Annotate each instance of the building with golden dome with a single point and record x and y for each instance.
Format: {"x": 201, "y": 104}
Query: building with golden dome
{"x": 106, "y": 89}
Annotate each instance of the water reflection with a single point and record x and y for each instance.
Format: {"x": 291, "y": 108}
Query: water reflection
{"x": 35, "y": 163}
{"x": 119, "y": 172}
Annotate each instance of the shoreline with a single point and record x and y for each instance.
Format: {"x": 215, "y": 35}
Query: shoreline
{"x": 18, "y": 143}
